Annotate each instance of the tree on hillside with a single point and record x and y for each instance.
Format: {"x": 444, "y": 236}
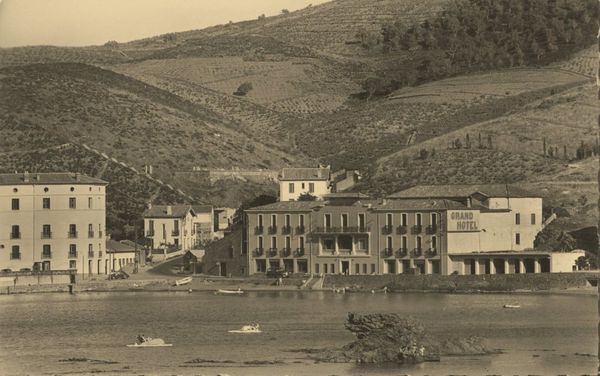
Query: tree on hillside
{"x": 285, "y": 11}
{"x": 306, "y": 196}
{"x": 243, "y": 89}
{"x": 566, "y": 242}
{"x": 257, "y": 201}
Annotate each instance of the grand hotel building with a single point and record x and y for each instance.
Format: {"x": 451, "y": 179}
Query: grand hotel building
{"x": 455, "y": 229}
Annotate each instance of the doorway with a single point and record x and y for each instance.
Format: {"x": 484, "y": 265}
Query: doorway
{"x": 223, "y": 269}
{"x": 345, "y": 267}
{"x": 390, "y": 266}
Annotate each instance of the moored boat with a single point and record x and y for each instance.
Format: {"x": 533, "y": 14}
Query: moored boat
{"x": 183, "y": 281}
{"x": 247, "y": 329}
{"x": 151, "y": 342}
{"x": 516, "y": 305}
{"x": 230, "y": 292}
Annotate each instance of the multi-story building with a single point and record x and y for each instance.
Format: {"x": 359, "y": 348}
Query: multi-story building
{"x": 170, "y": 227}
{"x": 294, "y": 182}
{"x": 202, "y": 223}
{"x": 52, "y": 221}
{"x": 425, "y": 230}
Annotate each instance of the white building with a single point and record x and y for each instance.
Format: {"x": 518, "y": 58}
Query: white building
{"x": 120, "y": 254}
{"x": 294, "y": 182}
{"x": 52, "y": 221}
{"x": 203, "y": 224}
{"x": 170, "y": 227}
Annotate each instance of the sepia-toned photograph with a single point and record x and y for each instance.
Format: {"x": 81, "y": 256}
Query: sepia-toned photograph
{"x": 299, "y": 187}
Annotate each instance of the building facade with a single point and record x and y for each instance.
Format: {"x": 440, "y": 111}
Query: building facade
{"x": 294, "y": 182}
{"x": 53, "y": 221}
{"x": 424, "y": 230}
{"x": 202, "y": 222}
{"x": 170, "y": 227}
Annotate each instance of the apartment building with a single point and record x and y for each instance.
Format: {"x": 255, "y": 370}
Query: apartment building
{"x": 293, "y": 182}
{"x": 424, "y": 230}
{"x": 202, "y": 222}
{"x": 170, "y": 227}
{"x": 52, "y": 221}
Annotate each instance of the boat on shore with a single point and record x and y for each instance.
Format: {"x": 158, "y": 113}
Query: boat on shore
{"x": 516, "y": 305}
{"x": 247, "y": 329}
{"x": 229, "y": 292}
{"x": 183, "y": 281}
{"x": 151, "y": 342}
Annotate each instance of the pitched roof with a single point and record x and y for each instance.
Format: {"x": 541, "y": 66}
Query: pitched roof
{"x": 418, "y": 204}
{"x": 310, "y": 173}
{"x": 287, "y": 206}
{"x": 463, "y": 190}
{"x": 162, "y": 211}
{"x": 199, "y": 253}
{"x": 202, "y": 208}
{"x": 124, "y": 246}
{"x": 343, "y": 195}
{"x": 49, "y": 178}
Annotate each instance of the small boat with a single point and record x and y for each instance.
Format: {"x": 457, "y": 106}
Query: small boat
{"x": 247, "y": 329}
{"x": 183, "y": 281}
{"x": 516, "y": 305}
{"x": 151, "y": 342}
{"x": 229, "y": 292}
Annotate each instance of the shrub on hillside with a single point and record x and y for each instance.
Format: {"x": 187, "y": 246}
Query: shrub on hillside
{"x": 243, "y": 89}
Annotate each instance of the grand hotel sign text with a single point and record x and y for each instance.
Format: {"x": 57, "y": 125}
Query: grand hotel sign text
{"x": 463, "y": 220}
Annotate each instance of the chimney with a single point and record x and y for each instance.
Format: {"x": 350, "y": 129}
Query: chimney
{"x": 77, "y": 176}
{"x": 469, "y": 203}
{"x": 169, "y": 210}
{"x": 149, "y": 205}
{"x": 26, "y": 177}
{"x": 37, "y": 177}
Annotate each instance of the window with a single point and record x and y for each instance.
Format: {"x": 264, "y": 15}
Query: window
{"x": 46, "y": 250}
{"x": 518, "y": 218}
{"x": 311, "y": 187}
{"x": 72, "y": 231}
{"x": 533, "y": 218}
{"x": 89, "y": 202}
{"x": 329, "y": 244}
{"x": 433, "y": 220}
{"x": 260, "y": 220}
{"x": 274, "y": 220}
{"x": 388, "y": 219}
{"x": 15, "y": 254}
{"x": 317, "y": 267}
{"x": 344, "y": 220}
{"x": 332, "y": 268}
{"x": 301, "y": 220}
{"x": 356, "y": 268}
{"x": 365, "y": 268}
{"x": 404, "y": 242}
{"x": 418, "y": 219}
{"x": 15, "y": 232}
{"x": 15, "y": 204}
{"x": 362, "y": 244}
{"x": 260, "y": 242}
{"x": 46, "y": 203}
{"x": 72, "y": 203}
{"x": 291, "y": 187}
{"x": 73, "y": 264}
{"x": 303, "y": 186}
{"x": 325, "y": 268}
{"x": 517, "y": 238}
{"x": 274, "y": 242}
{"x": 372, "y": 268}
{"x": 46, "y": 231}
{"x": 176, "y": 242}
{"x": 389, "y": 243}
{"x": 301, "y": 242}
{"x": 419, "y": 242}
{"x": 403, "y": 219}
{"x": 361, "y": 220}
{"x": 433, "y": 242}
{"x": 288, "y": 242}
{"x": 327, "y": 220}
{"x": 72, "y": 250}
{"x": 287, "y": 220}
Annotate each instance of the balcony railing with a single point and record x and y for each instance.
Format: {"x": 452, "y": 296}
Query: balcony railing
{"x": 272, "y": 230}
{"x": 341, "y": 230}
{"x": 431, "y": 252}
{"x": 416, "y": 229}
{"x": 401, "y": 252}
{"x": 417, "y": 252}
{"x": 15, "y": 235}
{"x": 15, "y": 255}
{"x": 90, "y": 254}
{"x": 300, "y": 230}
{"x": 386, "y": 230}
{"x": 72, "y": 234}
{"x": 46, "y": 255}
{"x": 72, "y": 254}
{"x": 286, "y": 252}
{"x": 286, "y": 230}
{"x": 46, "y": 235}
{"x": 344, "y": 252}
{"x": 299, "y": 252}
{"x": 272, "y": 252}
{"x": 90, "y": 234}
{"x": 149, "y": 234}
{"x": 258, "y": 230}
{"x": 432, "y": 229}
{"x": 401, "y": 230}
{"x": 259, "y": 252}
{"x": 175, "y": 233}
{"x": 388, "y": 252}
{"x": 99, "y": 254}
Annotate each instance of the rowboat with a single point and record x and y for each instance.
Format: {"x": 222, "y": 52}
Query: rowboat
{"x": 247, "y": 329}
{"x": 183, "y": 281}
{"x": 512, "y": 306}
{"x": 229, "y": 292}
{"x": 151, "y": 342}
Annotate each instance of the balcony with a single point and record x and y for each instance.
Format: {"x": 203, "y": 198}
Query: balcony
{"x": 401, "y": 230}
{"x": 285, "y": 230}
{"x": 15, "y": 235}
{"x": 272, "y": 252}
{"x": 299, "y": 252}
{"x": 47, "y": 235}
{"x": 90, "y": 234}
{"x": 386, "y": 230}
{"x": 344, "y": 252}
{"x": 90, "y": 254}
{"x": 46, "y": 255}
{"x": 72, "y": 234}
{"x": 272, "y": 230}
{"x": 99, "y": 254}
{"x": 149, "y": 234}
{"x": 388, "y": 252}
{"x": 432, "y": 229}
{"x": 259, "y": 252}
{"x": 431, "y": 252}
{"x": 417, "y": 252}
{"x": 300, "y": 230}
{"x": 417, "y": 229}
{"x": 175, "y": 233}
{"x": 402, "y": 252}
{"x": 258, "y": 230}
{"x": 15, "y": 255}
{"x": 341, "y": 230}
{"x": 72, "y": 254}
{"x": 286, "y": 252}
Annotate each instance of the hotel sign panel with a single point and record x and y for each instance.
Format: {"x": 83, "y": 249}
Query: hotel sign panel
{"x": 463, "y": 221}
